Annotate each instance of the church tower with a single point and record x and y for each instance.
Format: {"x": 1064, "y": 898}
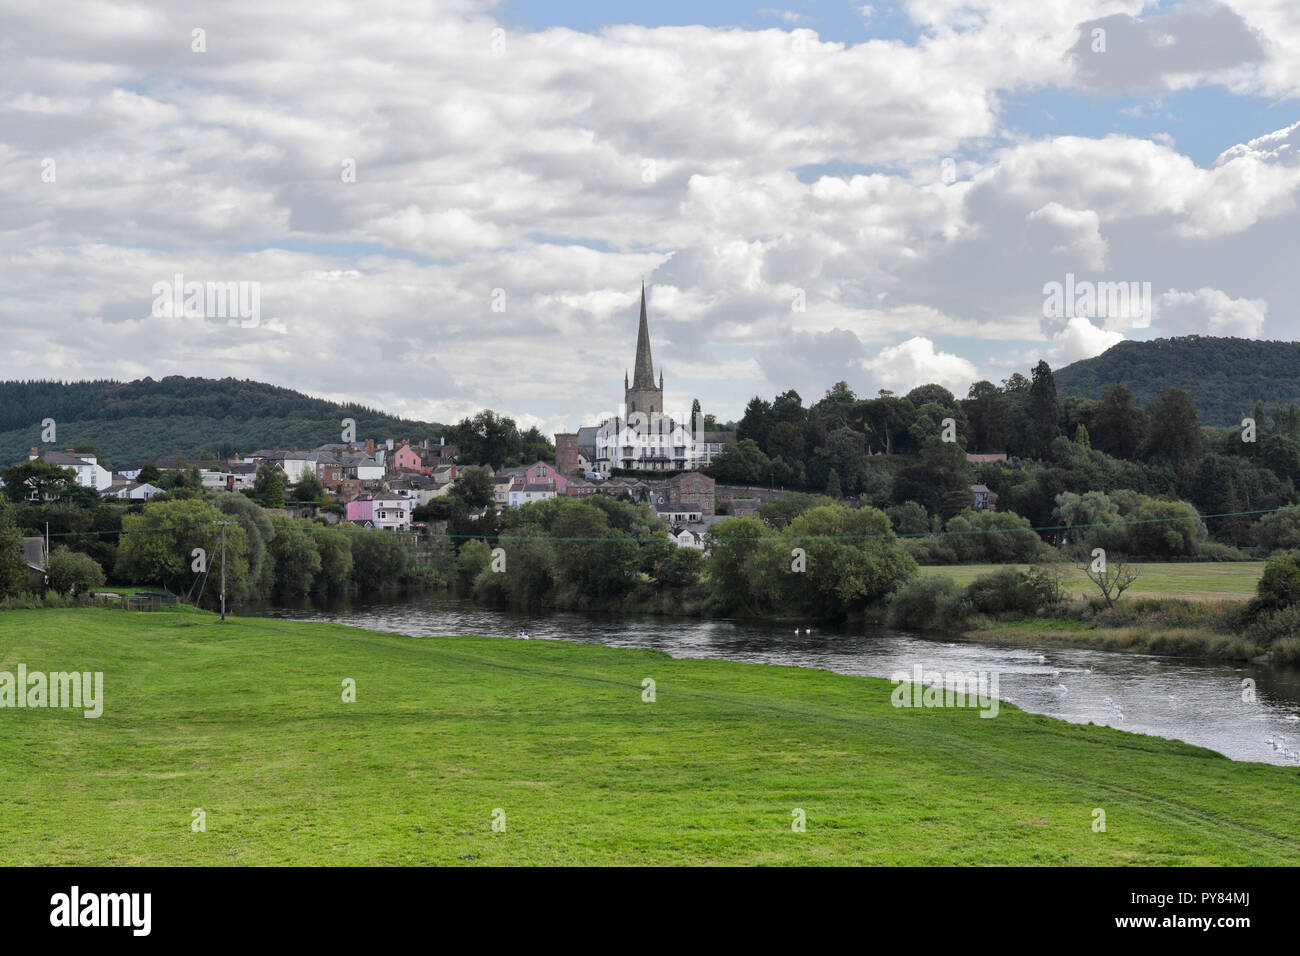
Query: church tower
{"x": 644, "y": 396}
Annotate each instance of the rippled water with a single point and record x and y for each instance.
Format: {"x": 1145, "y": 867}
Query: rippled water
{"x": 1197, "y": 702}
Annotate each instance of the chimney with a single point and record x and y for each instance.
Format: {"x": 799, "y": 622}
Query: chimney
{"x": 370, "y": 446}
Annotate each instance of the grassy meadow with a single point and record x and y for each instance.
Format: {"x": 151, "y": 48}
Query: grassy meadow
{"x": 246, "y": 721}
{"x": 1191, "y": 581}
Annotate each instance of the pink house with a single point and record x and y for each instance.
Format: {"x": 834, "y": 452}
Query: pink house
{"x": 541, "y": 473}
{"x": 407, "y": 458}
{"x": 362, "y": 509}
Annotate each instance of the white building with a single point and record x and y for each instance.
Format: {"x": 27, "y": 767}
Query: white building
{"x": 392, "y": 513}
{"x": 90, "y": 474}
{"x": 521, "y": 494}
{"x": 132, "y": 491}
{"x": 643, "y": 436}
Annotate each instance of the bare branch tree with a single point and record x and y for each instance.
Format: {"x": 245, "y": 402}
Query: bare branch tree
{"x": 1112, "y": 578}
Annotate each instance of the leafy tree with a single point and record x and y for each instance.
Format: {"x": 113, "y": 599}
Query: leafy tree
{"x": 1082, "y": 515}
{"x": 678, "y": 568}
{"x": 258, "y": 531}
{"x": 268, "y": 485}
{"x": 733, "y": 544}
{"x": 1279, "y": 586}
{"x": 536, "y": 446}
{"x": 71, "y": 572}
{"x": 1043, "y": 410}
{"x": 13, "y": 566}
{"x": 1280, "y": 530}
{"x": 473, "y": 488}
{"x": 309, "y": 488}
{"x": 335, "y": 550}
{"x": 157, "y": 547}
{"x": 986, "y": 411}
{"x": 1175, "y": 429}
{"x": 779, "y": 513}
{"x": 786, "y": 441}
{"x": 380, "y": 561}
{"x": 788, "y": 407}
{"x": 845, "y": 454}
{"x": 1119, "y": 426}
{"x": 833, "y": 485}
{"x": 741, "y": 463}
{"x": 853, "y": 560}
{"x": 297, "y": 561}
{"x": 475, "y": 555}
{"x": 932, "y": 394}
{"x": 993, "y": 537}
{"x": 591, "y": 559}
{"x": 1166, "y": 529}
{"x": 940, "y": 470}
{"x": 488, "y": 439}
{"x": 837, "y": 407}
{"x": 886, "y": 418}
{"x": 756, "y": 424}
{"x": 909, "y": 518}
{"x": 36, "y": 479}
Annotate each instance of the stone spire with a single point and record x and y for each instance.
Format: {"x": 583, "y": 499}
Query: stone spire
{"x": 643, "y": 375}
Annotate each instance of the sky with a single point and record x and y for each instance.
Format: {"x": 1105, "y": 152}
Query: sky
{"x": 438, "y": 207}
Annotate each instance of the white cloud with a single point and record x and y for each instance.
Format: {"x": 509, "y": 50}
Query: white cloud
{"x": 1080, "y": 339}
{"x": 902, "y": 367}
{"x": 1209, "y": 312}
{"x": 524, "y": 171}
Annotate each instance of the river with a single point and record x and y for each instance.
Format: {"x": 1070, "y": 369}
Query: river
{"x": 1198, "y": 702}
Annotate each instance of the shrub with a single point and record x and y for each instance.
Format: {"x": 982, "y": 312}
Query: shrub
{"x": 1272, "y": 628}
{"x": 1279, "y": 587}
{"x": 1287, "y": 651}
{"x": 1012, "y": 590}
{"x": 929, "y": 602}
{"x": 71, "y": 572}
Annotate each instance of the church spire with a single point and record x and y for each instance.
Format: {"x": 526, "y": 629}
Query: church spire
{"x": 643, "y": 375}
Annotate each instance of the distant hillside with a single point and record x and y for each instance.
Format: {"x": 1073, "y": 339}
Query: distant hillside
{"x": 124, "y": 421}
{"x": 1224, "y": 376}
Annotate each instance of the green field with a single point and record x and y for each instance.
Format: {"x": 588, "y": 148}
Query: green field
{"x": 1209, "y": 581}
{"x": 245, "y": 721}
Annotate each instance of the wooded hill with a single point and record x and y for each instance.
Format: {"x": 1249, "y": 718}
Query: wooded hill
{"x": 1223, "y": 376}
{"x": 176, "y": 415}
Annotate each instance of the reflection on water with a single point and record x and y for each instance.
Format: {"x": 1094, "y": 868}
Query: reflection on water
{"x": 1198, "y": 702}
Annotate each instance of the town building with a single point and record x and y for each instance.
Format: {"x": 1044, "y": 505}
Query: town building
{"x": 643, "y": 436}
{"x": 90, "y": 474}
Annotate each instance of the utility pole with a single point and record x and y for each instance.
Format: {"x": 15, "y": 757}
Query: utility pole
{"x": 223, "y": 570}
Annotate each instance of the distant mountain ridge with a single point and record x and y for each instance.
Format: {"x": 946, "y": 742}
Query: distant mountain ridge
{"x": 1223, "y": 376}
{"x": 179, "y": 415}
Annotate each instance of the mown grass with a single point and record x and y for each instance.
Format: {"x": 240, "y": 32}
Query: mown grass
{"x": 246, "y": 722}
{"x": 1208, "y": 581}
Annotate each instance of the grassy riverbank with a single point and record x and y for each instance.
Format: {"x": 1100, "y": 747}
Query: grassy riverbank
{"x": 1187, "y": 610}
{"x": 1189, "y": 581}
{"x": 245, "y": 721}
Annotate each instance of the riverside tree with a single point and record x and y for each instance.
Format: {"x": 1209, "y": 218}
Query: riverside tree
{"x": 157, "y": 547}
